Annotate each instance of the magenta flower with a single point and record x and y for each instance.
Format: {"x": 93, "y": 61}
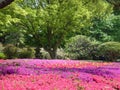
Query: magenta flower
{"x": 35, "y": 74}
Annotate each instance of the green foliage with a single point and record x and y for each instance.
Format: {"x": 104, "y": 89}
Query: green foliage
{"x": 2, "y": 55}
{"x": 116, "y": 6}
{"x": 116, "y": 27}
{"x": 1, "y": 47}
{"x": 9, "y": 22}
{"x": 51, "y": 23}
{"x": 94, "y": 52}
{"x": 101, "y": 29}
{"x": 110, "y": 50}
{"x": 27, "y": 53}
{"x": 79, "y": 47}
{"x": 45, "y": 54}
{"x": 106, "y": 29}
{"x": 46, "y": 23}
{"x": 15, "y": 37}
{"x": 61, "y": 54}
{"x": 11, "y": 51}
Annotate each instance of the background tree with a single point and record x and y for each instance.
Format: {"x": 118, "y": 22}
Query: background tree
{"x": 47, "y": 23}
{"x": 116, "y": 6}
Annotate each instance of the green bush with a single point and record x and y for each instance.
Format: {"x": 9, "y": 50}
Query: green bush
{"x": 11, "y": 51}
{"x": 27, "y": 53}
{"x": 2, "y": 55}
{"x": 94, "y": 51}
{"x": 45, "y": 54}
{"x": 61, "y": 54}
{"x": 79, "y": 47}
{"x": 110, "y": 51}
{"x": 1, "y": 47}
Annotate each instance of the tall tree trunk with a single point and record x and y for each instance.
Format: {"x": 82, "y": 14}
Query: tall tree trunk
{"x": 53, "y": 53}
{"x": 38, "y": 54}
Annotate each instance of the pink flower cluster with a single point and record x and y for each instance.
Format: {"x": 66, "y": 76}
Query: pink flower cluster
{"x": 35, "y": 82}
{"x": 35, "y": 74}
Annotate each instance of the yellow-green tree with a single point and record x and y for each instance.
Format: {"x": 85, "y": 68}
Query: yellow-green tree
{"x": 46, "y": 23}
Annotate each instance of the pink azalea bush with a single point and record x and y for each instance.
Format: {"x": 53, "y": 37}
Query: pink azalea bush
{"x": 35, "y": 74}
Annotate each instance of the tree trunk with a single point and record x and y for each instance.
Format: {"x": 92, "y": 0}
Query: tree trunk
{"x": 38, "y": 54}
{"x": 53, "y": 54}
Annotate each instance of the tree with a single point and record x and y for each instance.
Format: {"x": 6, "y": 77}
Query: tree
{"x": 102, "y": 29}
{"x": 115, "y": 20}
{"x": 101, "y": 22}
{"x": 46, "y": 23}
{"x": 106, "y": 29}
{"x": 116, "y": 6}
{"x": 8, "y": 24}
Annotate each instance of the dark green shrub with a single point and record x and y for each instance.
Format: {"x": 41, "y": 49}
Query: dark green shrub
{"x": 110, "y": 51}
{"x": 27, "y": 53}
{"x": 2, "y": 55}
{"x": 79, "y": 47}
{"x": 11, "y": 51}
{"x": 1, "y": 47}
{"x": 94, "y": 51}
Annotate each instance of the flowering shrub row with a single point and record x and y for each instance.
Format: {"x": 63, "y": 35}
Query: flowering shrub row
{"x": 38, "y": 74}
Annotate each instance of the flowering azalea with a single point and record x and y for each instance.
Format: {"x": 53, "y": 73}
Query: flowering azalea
{"x": 35, "y": 74}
